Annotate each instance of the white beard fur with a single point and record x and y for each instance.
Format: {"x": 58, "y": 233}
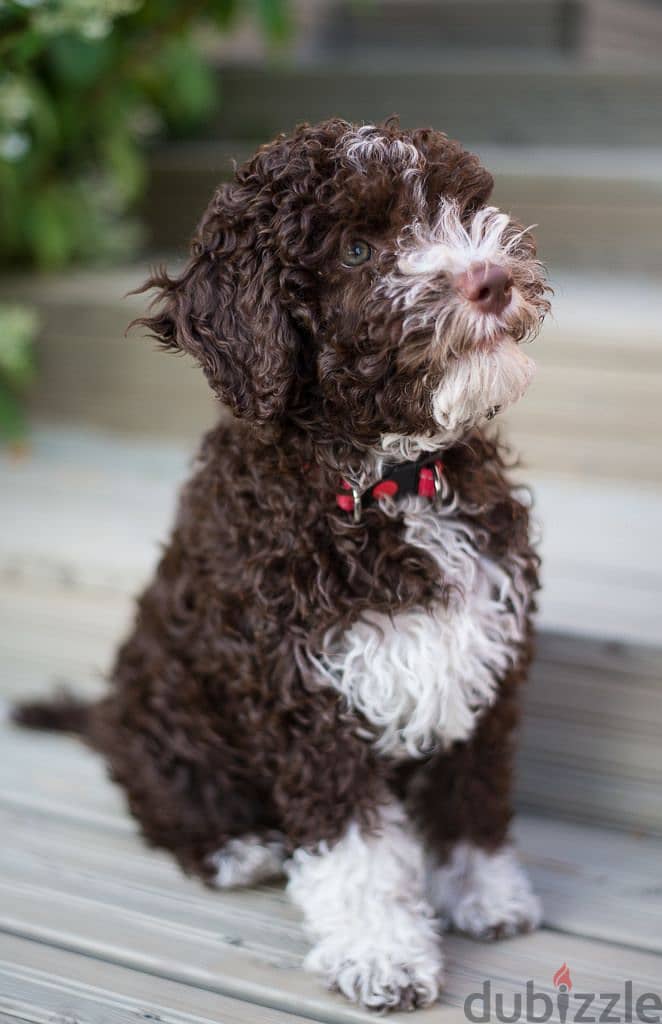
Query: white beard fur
{"x": 481, "y": 380}
{"x": 421, "y": 678}
{"x": 487, "y": 378}
{"x": 363, "y": 901}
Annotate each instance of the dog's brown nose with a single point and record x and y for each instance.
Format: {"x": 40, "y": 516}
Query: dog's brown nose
{"x": 487, "y": 285}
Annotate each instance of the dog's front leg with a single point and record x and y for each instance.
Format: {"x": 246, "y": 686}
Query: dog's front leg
{"x": 461, "y": 804}
{"x": 363, "y": 903}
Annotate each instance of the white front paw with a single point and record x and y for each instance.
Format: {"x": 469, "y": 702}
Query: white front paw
{"x": 488, "y": 896}
{"x": 378, "y": 975}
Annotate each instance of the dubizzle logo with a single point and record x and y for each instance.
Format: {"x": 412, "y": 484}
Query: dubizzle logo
{"x": 562, "y": 979}
{"x": 563, "y": 983}
{"x": 533, "y": 1007}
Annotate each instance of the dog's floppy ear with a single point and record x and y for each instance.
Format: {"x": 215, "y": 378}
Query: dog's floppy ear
{"x": 224, "y": 308}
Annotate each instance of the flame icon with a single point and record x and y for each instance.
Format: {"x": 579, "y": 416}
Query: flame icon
{"x": 562, "y": 977}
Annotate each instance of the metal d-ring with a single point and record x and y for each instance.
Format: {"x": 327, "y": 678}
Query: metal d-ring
{"x": 437, "y": 479}
{"x": 356, "y": 495}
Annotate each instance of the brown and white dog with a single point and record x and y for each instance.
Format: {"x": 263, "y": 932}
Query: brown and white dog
{"x": 323, "y": 675}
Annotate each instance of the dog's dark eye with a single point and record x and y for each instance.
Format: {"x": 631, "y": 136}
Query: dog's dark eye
{"x": 356, "y": 253}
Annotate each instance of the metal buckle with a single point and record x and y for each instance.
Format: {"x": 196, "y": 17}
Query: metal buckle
{"x": 356, "y": 495}
{"x": 436, "y": 471}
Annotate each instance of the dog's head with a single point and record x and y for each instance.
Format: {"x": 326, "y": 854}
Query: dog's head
{"x": 354, "y": 281}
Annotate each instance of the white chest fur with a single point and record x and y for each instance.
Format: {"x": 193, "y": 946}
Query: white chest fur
{"x": 421, "y": 678}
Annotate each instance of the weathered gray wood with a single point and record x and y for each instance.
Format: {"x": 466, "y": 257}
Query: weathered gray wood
{"x": 443, "y": 27}
{"x": 594, "y": 209}
{"x": 593, "y": 711}
{"x": 591, "y": 412}
{"x": 249, "y": 944}
{"x": 79, "y": 840}
{"x": 590, "y": 745}
{"x": 90, "y": 372}
{"x": 516, "y": 28}
{"x": 530, "y": 101}
{"x": 47, "y": 985}
{"x": 108, "y": 510}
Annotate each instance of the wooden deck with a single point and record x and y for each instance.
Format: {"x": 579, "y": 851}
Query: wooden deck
{"x": 94, "y": 927}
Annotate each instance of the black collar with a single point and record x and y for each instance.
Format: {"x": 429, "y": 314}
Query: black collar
{"x": 421, "y": 477}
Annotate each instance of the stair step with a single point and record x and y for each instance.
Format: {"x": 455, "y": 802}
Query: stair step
{"x": 441, "y": 25}
{"x": 595, "y": 209}
{"x": 602, "y": 550}
{"x": 593, "y": 411}
{"x": 589, "y": 28}
{"x": 500, "y": 101}
{"x": 90, "y": 372}
{"x": 590, "y": 744}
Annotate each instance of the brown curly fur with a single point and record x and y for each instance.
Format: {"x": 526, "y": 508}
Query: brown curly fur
{"x": 216, "y": 723}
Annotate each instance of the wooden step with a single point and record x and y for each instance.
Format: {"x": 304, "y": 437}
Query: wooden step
{"x": 591, "y": 28}
{"x": 601, "y": 545}
{"x": 89, "y": 371}
{"x": 95, "y": 926}
{"x": 592, "y": 412}
{"x": 596, "y": 209}
{"x": 531, "y": 101}
{"x": 595, "y": 31}
{"x": 590, "y": 741}
{"x": 42, "y": 983}
{"x": 75, "y": 880}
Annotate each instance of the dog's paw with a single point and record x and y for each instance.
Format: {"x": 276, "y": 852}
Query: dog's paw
{"x": 487, "y": 896}
{"x": 490, "y": 916}
{"x": 380, "y": 977}
{"x": 248, "y": 860}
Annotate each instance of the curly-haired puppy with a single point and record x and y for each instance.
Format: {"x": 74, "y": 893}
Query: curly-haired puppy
{"x": 323, "y": 675}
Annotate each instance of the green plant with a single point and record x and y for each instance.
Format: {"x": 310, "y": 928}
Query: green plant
{"x": 83, "y": 85}
{"x": 18, "y": 326}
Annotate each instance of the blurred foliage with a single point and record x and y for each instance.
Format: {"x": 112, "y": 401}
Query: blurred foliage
{"x": 84, "y": 84}
{"x": 18, "y": 326}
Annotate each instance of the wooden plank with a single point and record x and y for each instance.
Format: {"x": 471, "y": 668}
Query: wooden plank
{"x": 107, "y": 513}
{"x": 593, "y": 711}
{"x": 46, "y": 985}
{"x": 594, "y": 208}
{"x": 73, "y": 875}
{"x": 571, "y": 866}
{"x": 531, "y": 101}
{"x": 159, "y": 946}
{"x": 88, "y": 847}
{"x": 269, "y": 973}
{"x": 119, "y": 382}
{"x": 589, "y": 748}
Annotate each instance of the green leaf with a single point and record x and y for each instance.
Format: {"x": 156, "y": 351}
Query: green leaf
{"x": 82, "y": 83}
{"x": 276, "y": 18}
{"x": 13, "y": 423}
{"x": 185, "y": 87}
{"x": 51, "y": 227}
{"x": 18, "y": 326}
{"x": 79, "y": 61}
{"x": 126, "y": 164}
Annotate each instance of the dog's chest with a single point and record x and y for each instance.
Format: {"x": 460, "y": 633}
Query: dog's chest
{"x": 421, "y": 677}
